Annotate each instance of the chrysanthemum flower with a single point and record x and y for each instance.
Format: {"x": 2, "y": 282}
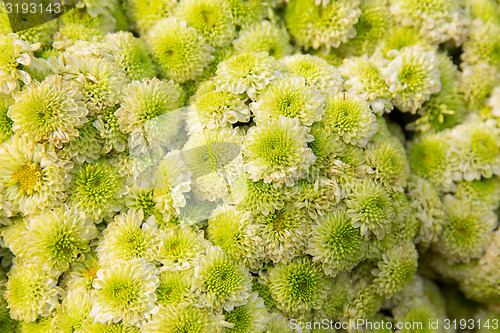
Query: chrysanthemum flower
{"x": 298, "y": 287}
{"x": 413, "y": 76}
{"x": 212, "y": 19}
{"x": 83, "y": 272}
{"x": 326, "y": 146}
{"x": 276, "y": 151}
{"x": 477, "y": 82}
{"x": 87, "y": 146}
{"x": 74, "y": 311}
{"x": 141, "y": 198}
{"x": 315, "y": 196}
{"x": 6, "y": 131}
{"x": 97, "y": 190}
{"x": 251, "y": 317}
{"x": 277, "y": 323}
{"x": 483, "y": 44}
{"x": 32, "y": 176}
{"x": 264, "y": 36}
{"x": 484, "y": 191}
{"x": 248, "y": 72}
{"x": 175, "y": 287}
{"x": 50, "y": 111}
{"x": 180, "y": 51}
{"x": 365, "y": 304}
{"x": 107, "y": 125}
{"x": 30, "y": 292}
{"x": 144, "y": 15}
{"x": 350, "y": 117}
{"x": 335, "y": 243}
{"x": 90, "y": 326}
{"x": 181, "y": 248}
{"x": 14, "y": 53}
{"x": 220, "y": 283}
{"x": 246, "y": 12}
{"x": 42, "y": 324}
{"x": 317, "y": 72}
{"x": 322, "y": 26}
{"x": 291, "y": 97}
{"x": 124, "y": 290}
{"x": 370, "y": 209}
{"x": 126, "y": 238}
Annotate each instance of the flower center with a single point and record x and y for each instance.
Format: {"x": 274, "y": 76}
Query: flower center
{"x": 28, "y": 177}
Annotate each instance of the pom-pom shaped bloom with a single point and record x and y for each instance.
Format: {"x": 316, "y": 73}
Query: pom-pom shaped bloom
{"x": 32, "y": 177}
{"x": 97, "y": 190}
{"x": 14, "y": 53}
{"x": 370, "y": 209}
{"x": 181, "y": 248}
{"x": 109, "y": 130}
{"x": 322, "y": 26}
{"x": 413, "y": 76}
{"x": 126, "y": 238}
{"x": 316, "y": 71}
{"x": 291, "y": 97}
{"x": 211, "y": 18}
{"x": 396, "y": 269}
{"x": 264, "y": 37}
{"x": 335, "y": 243}
{"x": 477, "y": 82}
{"x": 50, "y": 111}
{"x": 124, "y": 290}
{"x": 350, "y": 117}
{"x": 298, "y": 287}
{"x": 220, "y": 283}
{"x": 86, "y": 147}
{"x": 30, "y": 292}
{"x": 145, "y": 15}
{"x": 483, "y": 192}
{"x": 276, "y": 151}
{"x": 476, "y": 150}
{"x": 175, "y": 287}
{"x": 251, "y": 317}
{"x": 246, "y": 12}
{"x": 179, "y": 50}
{"x": 483, "y": 44}
{"x": 248, "y": 72}
{"x": 6, "y": 131}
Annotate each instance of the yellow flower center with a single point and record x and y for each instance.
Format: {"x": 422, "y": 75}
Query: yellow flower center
{"x": 28, "y": 177}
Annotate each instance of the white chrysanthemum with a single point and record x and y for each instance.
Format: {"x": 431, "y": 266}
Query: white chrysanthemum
{"x": 173, "y": 179}
{"x": 276, "y": 151}
{"x": 250, "y": 318}
{"x": 32, "y": 176}
{"x": 126, "y": 238}
{"x": 290, "y": 97}
{"x": 74, "y": 311}
{"x": 413, "y": 76}
{"x": 13, "y": 53}
{"x": 124, "y": 290}
{"x": 221, "y": 283}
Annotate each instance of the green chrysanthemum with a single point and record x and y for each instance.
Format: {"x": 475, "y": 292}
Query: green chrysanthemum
{"x": 264, "y": 36}
{"x": 179, "y": 50}
{"x": 32, "y": 177}
{"x": 142, "y": 198}
{"x": 276, "y": 151}
{"x": 483, "y": 192}
{"x": 365, "y": 304}
{"x": 298, "y": 287}
{"x": 175, "y": 287}
{"x": 220, "y": 283}
{"x": 126, "y": 238}
{"x": 316, "y": 196}
{"x": 211, "y": 18}
{"x": 246, "y": 12}
{"x": 248, "y": 318}
{"x": 322, "y": 26}
{"x": 339, "y": 293}
{"x": 326, "y": 147}
{"x": 87, "y": 146}
{"x": 277, "y": 323}
{"x": 145, "y": 15}
{"x": 110, "y": 132}
{"x": 6, "y": 131}
{"x": 30, "y": 292}
{"x": 350, "y": 117}
{"x": 42, "y": 324}
{"x": 74, "y": 311}
{"x": 335, "y": 243}
{"x": 289, "y": 96}
{"x": 370, "y": 209}
{"x": 83, "y": 272}
{"x": 50, "y": 111}
{"x": 483, "y": 45}
{"x": 97, "y": 190}
{"x": 124, "y": 290}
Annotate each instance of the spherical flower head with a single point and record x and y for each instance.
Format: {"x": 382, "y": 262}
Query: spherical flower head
{"x": 396, "y": 269}
{"x": 291, "y": 97}
{"x": 6, "y": 123}
{"x": 235, "y": 233}
{"x": 477, "y": 82}
{"x": 483, "y": 45}
{"x": 32, "y": 176}
{"x": 181, "y": 248}
{"x": 412, "y": 76}
{"x": 350, "y": 117}
{"x": 316, "y": 71}
{"x": 181, "y": 51}
{"x": 74, "y": 311}
{"x": 264, "y": 37}
{"x": 221, "y": 283}
{"x": 370, "y": 209}
{"x": 144, "y": 15}
{"x": 247, "y": 12}
{"x": 483, "y": 192}
{"x": 50, "y": 111}
{"x": 97, "y": 189}
{"x": 298, "y": 287}
{"x": 284, "y": 233}
{"x": 86, "y": 147}
{"x": 124, "y": 290}
{"x": 14, "y": 53}
{"x": 30, "y": 292}
{"x": 326, "y": 26}
{"x": 276, "y": 151}
{"x": 175, "y": 287}
{"x": 335, "y": 243}
{"x": 251, "y": 317}
{"x": 82, "y": 272}
{"x": 212, "y": 19}
{"x": 476, "y": 150}
{"x": 248, "y": 72}
{"x": 467, "y": 231}
{"x": 126, "y": 238}
{"x": 141, "y": 198}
